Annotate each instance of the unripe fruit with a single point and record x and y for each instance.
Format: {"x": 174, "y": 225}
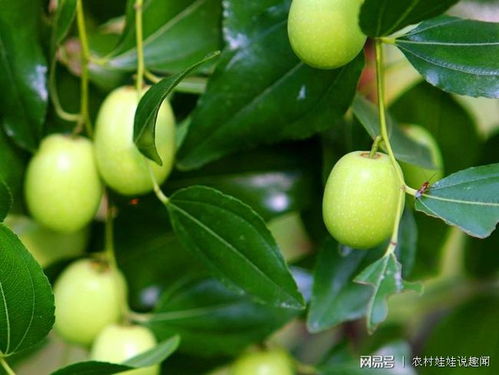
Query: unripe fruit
{"x": 273, "y": 362}
{"x": 415, "y": 175}
{"x": 360, "y": 199}
{"x": 44, "y": 244}
{"x": 63, "y": 189}
{"x": 120, "y": 163}
{"x": 116, "y": 344}
{"x": 325, "y": 34}
{"x": 88, "y": 297}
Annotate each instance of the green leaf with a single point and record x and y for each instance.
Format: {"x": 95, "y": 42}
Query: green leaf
{"x": 467, "y": 199}
{"x": 176, "y": 35}
{"x": 456, "y": 55}
{"x": 27, "y": 302}
{"x": 261, "y": 93}
{"x": 273, "y": 181}
{"x": 5, "y": 199}
{"x": 147, "y": 110}
{"x": 384, "y": 17}
{"x": 155, "y": 355}
{"x": 63, "y": 19}
{"x": 92, "y": 368}
{"x": 149, "y": 358}
{"x": 212, "y": 319}
{"x": 405, "y": 148}
{"x": 335, "y": 297}
{"x": 385, "y": 276}
{"x": 235, "y": 243}
{"x": 407, "y": 241}
{"x": 481, "y": 260}
{"x": 452, "y": 126}
{"x": 23, "y": 72}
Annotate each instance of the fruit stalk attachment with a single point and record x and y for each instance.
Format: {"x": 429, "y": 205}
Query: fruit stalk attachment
{"x": 384, "y": 134}
{"x": 140, "y": 48}
{"x": 6, "y": 366}
{"x": 84, "y": 120}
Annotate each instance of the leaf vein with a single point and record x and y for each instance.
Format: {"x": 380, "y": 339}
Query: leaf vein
{"x": 7, "y": 319}
{"x": 226, "y": 243}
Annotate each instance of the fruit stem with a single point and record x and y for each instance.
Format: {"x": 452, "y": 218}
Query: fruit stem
{"x": 136, "y": 317}
{"x": 6, "y": 367}
{"x": 84, "y": 119}
{"x": 395, "y": 234}
{"x": 54, "y": 97}
{"x": 411, "y": 191}
{"x": 152, "y": 77}
{"x": 375, "y": 146}
{"x": 384, "y": 133}
{"x": 157, "y": 190}
{"x": 97, "y": 60}
{"x": 189, "y": 85}
{"x": 140, "y": 47}
{"x": 141, "y": 71}
{"x": 381, "y": 107}
{"x": 387, "y": 40}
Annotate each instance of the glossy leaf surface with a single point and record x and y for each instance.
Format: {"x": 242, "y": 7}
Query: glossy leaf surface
{"x": 260, "y": 92}
{"x": 26, "y": 299}
{"x": 235, "y": 243}
{"x": 384, "y": 17}
{"x": 272, "y": 180}
{"x": 147, "y": 111}
{"x": 176, "y": 35}
{"x": 336, "y": 298}
{"x": 457, "y": 55}
{"x": 23, "y": 72}
{"x": 467, "y": 199}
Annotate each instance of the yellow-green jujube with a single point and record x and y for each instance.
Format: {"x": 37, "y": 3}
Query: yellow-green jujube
{"x": 89, "y": 296}
{"x": 415, "y": 176}
{"x": 360, "y": 199}
{"x": 117, "y": 343}
{"x": 120, "y": 163}
{"x": 325, "y": 34}
{"x": 62, "y": 185}
{"x": 272, "y": 362}
{"x": 46, "y": 245}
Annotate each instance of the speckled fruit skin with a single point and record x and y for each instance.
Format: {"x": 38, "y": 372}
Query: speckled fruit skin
{"x": 116, "y": 344}
{"x": 274, "y": 362}
{"x": 120, "y": 163}
{"x": 360, "y": 200}
{"x": 62, "y": 185}
{"x": 46, "y": 245}
{"x": 414, "y": 175}
{"x": 88, "y": 297}
{"x": 325, "y": 34}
